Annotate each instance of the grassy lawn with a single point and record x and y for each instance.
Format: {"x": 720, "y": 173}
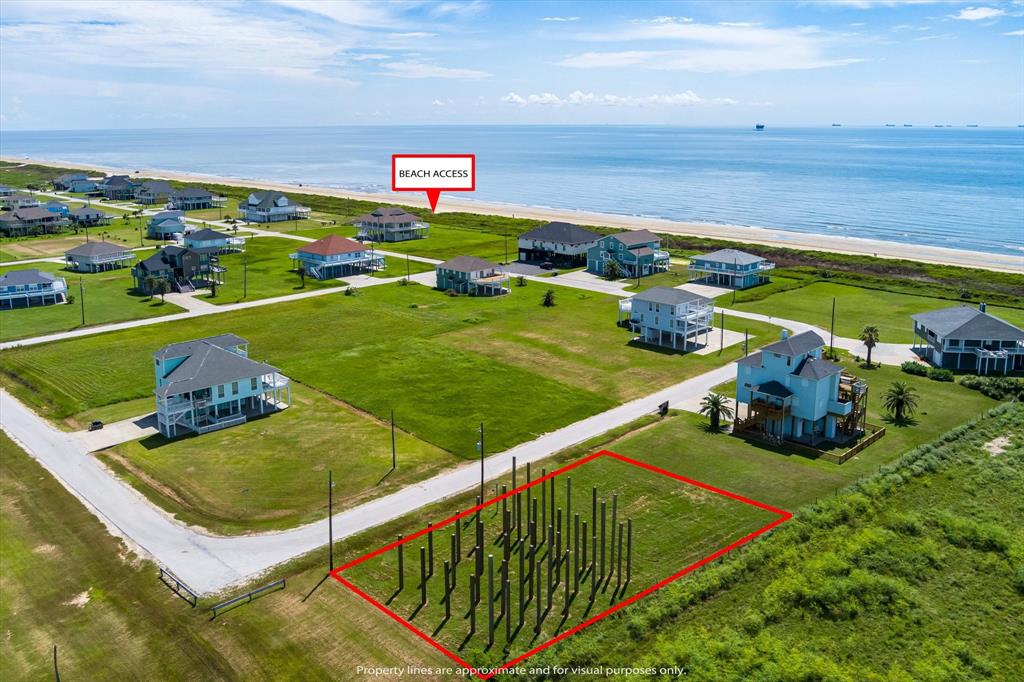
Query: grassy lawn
{"x": 396, "y": 266}
{"x": 270, "y": 473}
{"x": 673, "y": 277}
{"x": 108, "y": 298}
{"x": 855, "y": 308}
{"x": 123, "y": 230}
{"x": 66, "y": 581}
{"x": 269, "y": 272}
{"x": 443, "y": 243}
{"x": 914, "y": 575}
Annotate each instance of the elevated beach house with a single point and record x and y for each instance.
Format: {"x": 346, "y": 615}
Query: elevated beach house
{"x": 731, "y": 268}
{"x": 19, "y": 200}
{"x": 270, "y": 207}
{"x": 87, "y": 216}
{"x": 332, "y": 256}
{"x": 6, "y": 191}
{"x": 58, "y": 207}
{"x": 166, "y": 224}
{"x": 26, "y": 288}
{"x": 559, "y": 243}
{"x": 472, "y": 275}
{"x": 211, "y": 241}
{"x": 74, "y": 182}
{"x": 117, "y": 187}
{"x": 788, "y": 391}
{"x": 193, "y": 198}
{"x": 209, "y": 384}
{"x": 637, "y": 252}
{"x": 674, "y": 318}
{"x": 968, "y": 338}
{"x": 153, "y": 192}
{"x": 184, "y": 269}
{"x": 391, "y": 224}
{"x": 98, "y": 257}
{"x": 32, "y": 220}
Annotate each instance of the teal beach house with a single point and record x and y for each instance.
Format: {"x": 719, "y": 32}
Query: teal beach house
{"x": 472, "y": 275}
{"x": 637, "y": 252}
{"x": 731, "y": 268}
{"x": 669, "y": 317}
{"x": 210, "y": 383}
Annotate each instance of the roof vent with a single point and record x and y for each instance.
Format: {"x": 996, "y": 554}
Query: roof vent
{"x": 785, "y": 334}
{"x": 982, "y": 306}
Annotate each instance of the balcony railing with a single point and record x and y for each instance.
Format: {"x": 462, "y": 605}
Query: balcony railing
{"x": 840, "y": 407}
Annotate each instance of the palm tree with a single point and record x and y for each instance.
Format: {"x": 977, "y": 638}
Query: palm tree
{"x": 549, "y": 298}
{"x": 149, "y": 284}
{"x": 613, "y": 269}
{"x": 900, "y": 400}
{"x": 869, "y": 335}
{"x": 715, "y": 406}
{"x": 161, "y": 286}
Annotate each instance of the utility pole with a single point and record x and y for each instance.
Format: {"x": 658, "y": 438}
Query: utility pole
{"x": 735, "y": 266}
{"x": 480, "y": 446}
{"x": 56, "y": 671}
{"x": 406, "y": 267}
{"x": 721, "y": 329}
{"x": 506, "y": 247}
{"x": 330, "y": 520}
{"x": 832, "y": 330}
{"x": 245, "y": 276}
{"x": 81, "y": 298}
{"x": 394, "y": 460}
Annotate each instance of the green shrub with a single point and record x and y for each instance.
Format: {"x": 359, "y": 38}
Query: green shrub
{"x": 937, "y": 374}
{"x": 997, "y": 388}
{"x": 915, "y": 368}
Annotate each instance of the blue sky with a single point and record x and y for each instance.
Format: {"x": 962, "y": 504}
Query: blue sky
{"x": 81, "y": 65}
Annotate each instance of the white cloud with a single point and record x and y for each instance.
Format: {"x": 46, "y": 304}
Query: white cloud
{"x": 1018, "y": 32}
{"x": 707, "y": 60}
{"x": 464, "y": 9}
{"x": 349, "y": 12}
{"x": 369, "y": 56}
{"x": 978, "y": 13}
{"x": 442, "y": 103}
{"x": 560, "y": 19}
{"x": 426, "y": 70}
{"x": 580, "y": 98}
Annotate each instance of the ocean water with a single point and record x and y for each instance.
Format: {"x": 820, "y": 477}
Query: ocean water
{"x": 954, "y": 187}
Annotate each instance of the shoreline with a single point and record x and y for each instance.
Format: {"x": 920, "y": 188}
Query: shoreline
{"x": 450, "y": 202}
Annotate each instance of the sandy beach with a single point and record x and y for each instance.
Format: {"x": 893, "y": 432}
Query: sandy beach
{"x": 739, "y": 233}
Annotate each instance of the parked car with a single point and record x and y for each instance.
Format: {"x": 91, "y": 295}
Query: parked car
{"x": 95, "y": 425}
{"x": 547, "y": 265}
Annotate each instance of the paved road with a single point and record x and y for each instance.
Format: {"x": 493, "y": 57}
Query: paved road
{"x": 211, "y": 563}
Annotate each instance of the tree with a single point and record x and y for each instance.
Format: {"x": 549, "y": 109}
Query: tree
{"x": 213, "y": 288}
{"x": 715, "y": 406}
{"x": 150, "y": 285}
{"x": 900, "y": 400}
{"x": 302, "y": 277}
{"x": 869, "y": 335}
{"x": 549, "y": 299}
{"x": 520, "y": 281}
{"x": 613, "y": 269}
{"x": 161, "y": 286}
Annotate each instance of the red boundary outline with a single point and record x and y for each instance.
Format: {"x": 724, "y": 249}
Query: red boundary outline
{"x": 471, "y": 157}
{"x": 336, "y": 573}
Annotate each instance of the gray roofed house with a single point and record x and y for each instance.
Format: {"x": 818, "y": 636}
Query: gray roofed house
{"x": 165, "y": 224}
{"x": 34, "y": 219}
{"x": 210, "y": 383}
{"x": 98, "y": 257}
{"x": 391, "y": 224}
{"x": 19, "y": 200}
{"x": 29, "y": 287}
{"x": 730, "y": 267}
{"x": 968, "y": 338}
{"x": 796, "y": 345}
{"x": 633, "y": 253}
{"x": 118, "y": 187}
{"x": 153, "y": 191}
{"x": 634, "y": 237}
{"x": 6, "y": 190}
{"x": 556, "y": 242}
{"x": 193, "y": 198}
{"x": 87, "y": 216}
{"x": 669, "y": 317}
{"x": 270, "y": 207}
{"x": 472, "y": 275}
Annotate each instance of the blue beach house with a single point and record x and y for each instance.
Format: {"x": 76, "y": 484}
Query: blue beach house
{"x": 210, "y": 383}
{"x": 212, "y": 241}
{"x": 58, "y": 207}
{"x": 674, "y": 318}
{"x": 166, "y": 224}
{"x": 792, "y": 393}
{"x": 332, "y": 256}
{"x": 473, "y": 276}
{"x": 731, "y": 268}
{"x": 638, "y": 253}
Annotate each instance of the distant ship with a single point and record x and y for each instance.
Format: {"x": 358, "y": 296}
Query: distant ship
{"x": 890, "y": 125}
{"x": 759, "y": 126}
{"x": 939, "y": 125}
{"x": 972, "y": 125}
{"x": 837, "y": 125}
{"x": 908, "y": 125}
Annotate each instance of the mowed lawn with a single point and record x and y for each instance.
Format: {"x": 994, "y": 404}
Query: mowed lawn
{"x": 674, "y": 524}
{"x": 443, "y": 243}
{"x": 263, "y": 271}
{"x": 67, "y": 582}
{"x": 855, "y": 308}
{"x": 271, "y": 473}
{"x": 108, "y": 298}
{"x": 128, "y": 231}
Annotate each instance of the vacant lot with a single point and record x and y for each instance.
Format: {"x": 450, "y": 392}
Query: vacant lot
{"x": 108, "y": 297}
{"x": 123, "y": 229}
{"x": 855, "y": 308}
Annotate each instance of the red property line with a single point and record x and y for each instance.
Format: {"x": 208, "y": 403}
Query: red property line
{"x": 336, "y": 573}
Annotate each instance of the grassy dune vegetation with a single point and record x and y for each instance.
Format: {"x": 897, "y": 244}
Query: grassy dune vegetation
{"x": 108, "y": 298}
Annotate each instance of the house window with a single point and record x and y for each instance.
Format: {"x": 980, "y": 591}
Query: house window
{"x": 234, "y": 388}
{"x": 220, "y": 391}
{"x": 252, "y": 384}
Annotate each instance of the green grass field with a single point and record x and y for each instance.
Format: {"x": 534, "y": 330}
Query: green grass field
{"x": 122, "y": 230}
{"x": 444, "y": 242}
{"x": 108, "y": 298}
{"x": 855, "y": 308}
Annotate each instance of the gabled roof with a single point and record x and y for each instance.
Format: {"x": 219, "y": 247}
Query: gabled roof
{"x": 84, "y": 211}
{"x": 23, "y": 277}
{"x": 116, "y": 181}
{"x": 21, "y": 196}
{"x": 773, "y": 388}
{"x": 32, "y": 213}
{"x": 54, "y": 203}
{"x": 332, "y": 245}
{"x": 156, "y": 187}
{"x": 670, "y": 296}
{"x": 816, "y": 369}
{"x": 966, "y": 322}
{"x": 388, "y": 215}
{"x": 636, "y": 237}
{"x": 561, "y": 233}
{"x": 164, "y": 215}
{"x": 155, "y": 263}
{"x": 730, "y": 256}
{"x": 209, "y": 364}
{"x": 796, "y": 345}
{"x": 68, "y": 177}
{"x": 96, "y": 249}
{"x": 205, "y": 235}
{"x": 191, "y": 193}
{"x": 753, "y": 360}
{"x": 265, "y": 199}
{"x": 467, "y": 264}
{"x": 177, "y": 350}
